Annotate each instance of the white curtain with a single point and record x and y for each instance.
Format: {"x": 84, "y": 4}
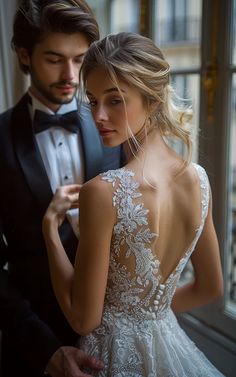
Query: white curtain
{"x": 12, "y": 81}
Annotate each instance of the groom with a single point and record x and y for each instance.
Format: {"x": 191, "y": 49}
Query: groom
{"x": 46, "y": 140}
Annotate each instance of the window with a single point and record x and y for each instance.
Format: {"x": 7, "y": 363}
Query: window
{"x": 198, "y": 71}
{"x": 114, "y": 16}
{"x": 230, "y": 301}
{"x": 180, "y": 40}
{"x": 178, "y": 21}
{"x": 124, "y": 15}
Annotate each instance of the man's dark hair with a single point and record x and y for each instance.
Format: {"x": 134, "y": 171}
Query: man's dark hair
{"x": 34, "y": 19}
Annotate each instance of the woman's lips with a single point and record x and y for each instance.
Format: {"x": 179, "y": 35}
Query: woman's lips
{"x": 106, "y": 131}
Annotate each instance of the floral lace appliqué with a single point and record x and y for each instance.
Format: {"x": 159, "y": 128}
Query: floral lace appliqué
{"x": 139, "y": 335}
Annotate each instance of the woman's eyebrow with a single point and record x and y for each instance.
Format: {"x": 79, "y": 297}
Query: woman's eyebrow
{"x": 109, "y": 90}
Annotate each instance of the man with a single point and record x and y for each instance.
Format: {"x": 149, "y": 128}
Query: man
{"x": 50, "y": 39}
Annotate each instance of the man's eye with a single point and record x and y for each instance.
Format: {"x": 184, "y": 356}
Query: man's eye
{"x": 54, "y": 61}
{"x": 78, "y": 61}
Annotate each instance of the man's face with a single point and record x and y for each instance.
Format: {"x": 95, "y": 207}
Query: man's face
{"x": 54, "y": 67}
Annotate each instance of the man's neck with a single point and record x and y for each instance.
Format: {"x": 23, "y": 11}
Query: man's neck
{"x": 64, "y": 108}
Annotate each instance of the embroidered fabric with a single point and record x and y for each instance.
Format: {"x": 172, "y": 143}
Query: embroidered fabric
{"x": 139, "y": 334}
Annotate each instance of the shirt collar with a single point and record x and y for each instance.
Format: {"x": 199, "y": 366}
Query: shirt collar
{"x": 63, "y": 109}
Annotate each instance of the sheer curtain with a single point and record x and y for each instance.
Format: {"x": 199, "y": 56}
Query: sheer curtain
{"x": 12, "y": 82}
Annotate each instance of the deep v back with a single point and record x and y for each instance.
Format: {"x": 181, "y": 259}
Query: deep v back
{"x": 143, "y": 276}
{"x": 139, "y": 335}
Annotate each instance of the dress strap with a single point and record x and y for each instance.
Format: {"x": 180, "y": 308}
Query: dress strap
{"x": 205, "y": 190}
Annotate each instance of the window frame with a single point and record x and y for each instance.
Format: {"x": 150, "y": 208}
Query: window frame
{"x": 215, "y": 143}
{"x": 216, "y": 39}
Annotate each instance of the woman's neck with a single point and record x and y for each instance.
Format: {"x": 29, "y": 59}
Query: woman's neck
{"x": 143, "y": 144}
{"x": 154, "y": 153}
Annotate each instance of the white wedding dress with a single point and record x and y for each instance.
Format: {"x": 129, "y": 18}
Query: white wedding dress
{"x": 139, "y": 335}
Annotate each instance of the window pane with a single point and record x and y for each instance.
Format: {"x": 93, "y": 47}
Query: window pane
{"x": 231, "y": 228}
{"x": 177, "y": 31}
{"x": 187, "y": 89}
{"x": 101, "y": 11}
{"x": 124, "y": 16}
{"x": 234, "y": 33}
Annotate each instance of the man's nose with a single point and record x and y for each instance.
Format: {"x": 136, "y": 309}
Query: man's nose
{"x": 68, "y": 71}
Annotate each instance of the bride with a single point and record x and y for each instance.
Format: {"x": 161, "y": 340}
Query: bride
{"x": 139, "y": 225}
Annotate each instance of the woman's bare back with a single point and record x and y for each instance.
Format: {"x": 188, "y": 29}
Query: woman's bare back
{"x": 156, "y": 227}
{"x": 172, "y": 195}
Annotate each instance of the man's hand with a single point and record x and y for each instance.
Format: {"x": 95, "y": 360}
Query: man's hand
{"x": 65, "y": 198}
{"x": 67, "y": 361}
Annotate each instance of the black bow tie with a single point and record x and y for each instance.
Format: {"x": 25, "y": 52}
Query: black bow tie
{"x": 43, "y": 121}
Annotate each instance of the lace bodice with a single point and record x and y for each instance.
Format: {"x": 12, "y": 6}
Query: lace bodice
{"x": 135, "y": 285}
{"x": 139, "y": 335}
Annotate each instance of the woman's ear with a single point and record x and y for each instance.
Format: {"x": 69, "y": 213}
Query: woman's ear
{"x": 153, "y": 107}
{"x": 23, "y": 56}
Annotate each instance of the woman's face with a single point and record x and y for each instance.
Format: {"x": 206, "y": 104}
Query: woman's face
{"x": 112, "y": 111}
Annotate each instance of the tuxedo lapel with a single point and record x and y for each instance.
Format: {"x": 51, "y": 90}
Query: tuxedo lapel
{"x": 92, "y": 146}
{"x": 28, "y": 153}
{"x": 29, "y": 157}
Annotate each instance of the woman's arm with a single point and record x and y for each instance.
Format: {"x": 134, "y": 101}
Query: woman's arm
{"x": 80, "y": 290}
{"x": 207, "y": 285}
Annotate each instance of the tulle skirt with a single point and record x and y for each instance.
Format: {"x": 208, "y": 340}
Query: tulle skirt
{"x": 148, "y": 348}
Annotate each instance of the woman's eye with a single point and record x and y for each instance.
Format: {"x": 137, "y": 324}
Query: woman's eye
{"x": 92, "y": 102}
{"x": 116, "y": 101}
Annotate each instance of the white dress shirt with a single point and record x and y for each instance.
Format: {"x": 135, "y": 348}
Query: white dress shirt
{"x": 61, "y": 152}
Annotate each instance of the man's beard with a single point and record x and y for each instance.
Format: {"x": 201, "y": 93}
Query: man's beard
{"x": 49, "y": 95}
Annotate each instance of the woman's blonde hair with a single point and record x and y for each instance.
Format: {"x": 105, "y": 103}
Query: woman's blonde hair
{"x": 137, "y": 61}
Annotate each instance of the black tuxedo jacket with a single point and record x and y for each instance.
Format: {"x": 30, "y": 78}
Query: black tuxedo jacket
{"x": 32, "y": 324}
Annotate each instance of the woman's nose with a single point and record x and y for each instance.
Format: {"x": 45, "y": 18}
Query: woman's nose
{"x": 100, "y": 113}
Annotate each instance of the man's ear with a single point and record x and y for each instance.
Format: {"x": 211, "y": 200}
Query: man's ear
{"x": 23, "y": 56}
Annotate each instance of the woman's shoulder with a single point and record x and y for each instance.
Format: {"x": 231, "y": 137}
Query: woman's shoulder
{"x": 200, "y": 175}
{"x": 190, "y": 184}
{"x": 192, "y": 173}
{"x": 199, "y": 168}
{"x": 187, "y": 184}
{"x": 100, "y": 188}
{"x": 96, "y": 203}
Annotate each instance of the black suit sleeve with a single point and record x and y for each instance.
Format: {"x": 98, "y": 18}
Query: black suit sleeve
{"x": 29, "y": 339}
{"x": 32, "y": 340}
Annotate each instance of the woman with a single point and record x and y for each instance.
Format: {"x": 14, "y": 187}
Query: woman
{"x": 139, "y": 225}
